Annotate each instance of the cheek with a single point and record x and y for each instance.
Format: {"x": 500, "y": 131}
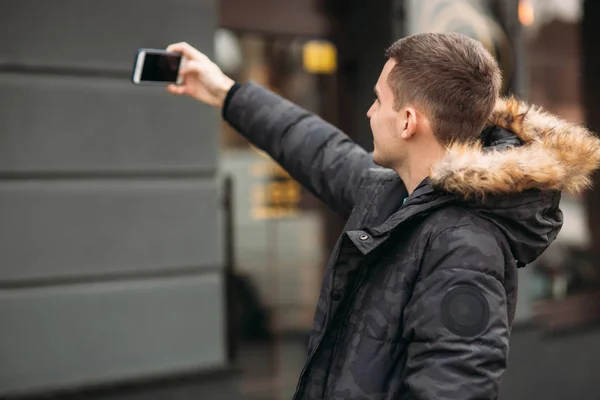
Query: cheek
{"x": 391, "y": 122}
{"x": 383, "y": 124}
{"x": 392, "y": 125}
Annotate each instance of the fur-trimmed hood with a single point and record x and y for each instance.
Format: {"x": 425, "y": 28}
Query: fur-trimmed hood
{"x": 515, "y": 174}
{"x": 554, "y": 155}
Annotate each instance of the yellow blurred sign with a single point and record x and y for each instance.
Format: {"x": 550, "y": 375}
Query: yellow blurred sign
{"x": 273, "y": 200}
{"x": 273, "y": 194}
{"x": 319, "y": 57}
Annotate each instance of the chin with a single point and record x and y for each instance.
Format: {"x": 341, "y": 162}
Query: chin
{"x": 377, "y": 159}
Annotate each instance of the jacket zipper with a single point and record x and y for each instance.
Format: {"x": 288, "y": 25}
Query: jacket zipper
{"x": 347, "y": 311}
{"x": 321, "y": 336}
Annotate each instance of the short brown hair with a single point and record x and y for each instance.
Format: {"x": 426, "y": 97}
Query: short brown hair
{"x": 451, "y": 76}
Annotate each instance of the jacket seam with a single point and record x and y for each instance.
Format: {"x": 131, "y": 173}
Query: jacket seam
{"x": 456, "y": 269}
{"x": 427, "y": 250}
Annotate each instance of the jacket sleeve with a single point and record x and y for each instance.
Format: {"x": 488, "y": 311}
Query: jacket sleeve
{"x": 457, "y": 320}
{"x": 318, "y": 155}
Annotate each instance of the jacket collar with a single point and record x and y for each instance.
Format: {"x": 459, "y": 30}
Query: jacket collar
{"x": 423, "y": 200}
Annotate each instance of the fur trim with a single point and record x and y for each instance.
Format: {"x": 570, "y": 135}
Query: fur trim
{"x": 556, "y": 155}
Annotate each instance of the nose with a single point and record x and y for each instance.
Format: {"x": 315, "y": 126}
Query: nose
{"x": 370, "y": 111}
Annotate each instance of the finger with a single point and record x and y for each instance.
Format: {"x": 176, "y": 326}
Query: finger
{"x": 187, "y": 50}
{"x": 178, "y": 47}
{"x": 174, "y": 89}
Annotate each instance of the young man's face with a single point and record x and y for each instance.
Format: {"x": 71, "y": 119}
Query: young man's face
{"x": 385, "y": 122}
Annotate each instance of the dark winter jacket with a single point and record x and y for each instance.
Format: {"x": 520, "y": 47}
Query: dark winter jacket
{"x": 419, "y": 296}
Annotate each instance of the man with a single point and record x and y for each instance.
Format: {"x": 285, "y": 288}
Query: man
{"x": 461, "y": 189}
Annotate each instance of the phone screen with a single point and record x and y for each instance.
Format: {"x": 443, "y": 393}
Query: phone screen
{"x": 160, "y": 67}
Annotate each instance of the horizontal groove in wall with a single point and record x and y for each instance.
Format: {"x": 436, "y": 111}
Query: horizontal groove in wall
{"x": 64, "y": 71}
{"x": 54, "y": 281}
{"x": 107, "y": 175}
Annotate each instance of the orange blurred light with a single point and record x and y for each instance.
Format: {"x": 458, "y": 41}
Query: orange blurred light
{"x": 526, "y": 13}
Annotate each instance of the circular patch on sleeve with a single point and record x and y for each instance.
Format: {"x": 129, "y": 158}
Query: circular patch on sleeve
{"x": 465, "y": 311}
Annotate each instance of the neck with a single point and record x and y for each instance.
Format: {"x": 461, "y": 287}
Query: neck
{"x": 414, "y": 171}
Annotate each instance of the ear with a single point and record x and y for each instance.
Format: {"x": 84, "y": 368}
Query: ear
{"x": 409, "y": 122}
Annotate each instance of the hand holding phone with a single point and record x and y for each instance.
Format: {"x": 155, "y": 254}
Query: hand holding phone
{"x": 158, "y": 67}
{"x": 202, "y": 80}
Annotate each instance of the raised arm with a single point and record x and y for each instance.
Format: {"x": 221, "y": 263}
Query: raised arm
{"x": 315, "y": 153}
{"x": 318, "y": 155}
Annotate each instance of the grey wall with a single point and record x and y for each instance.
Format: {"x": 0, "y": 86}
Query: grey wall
{"x": 110, "y": 249}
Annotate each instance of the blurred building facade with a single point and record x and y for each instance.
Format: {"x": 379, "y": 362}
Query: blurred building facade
{"x": 111, "y": 264}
